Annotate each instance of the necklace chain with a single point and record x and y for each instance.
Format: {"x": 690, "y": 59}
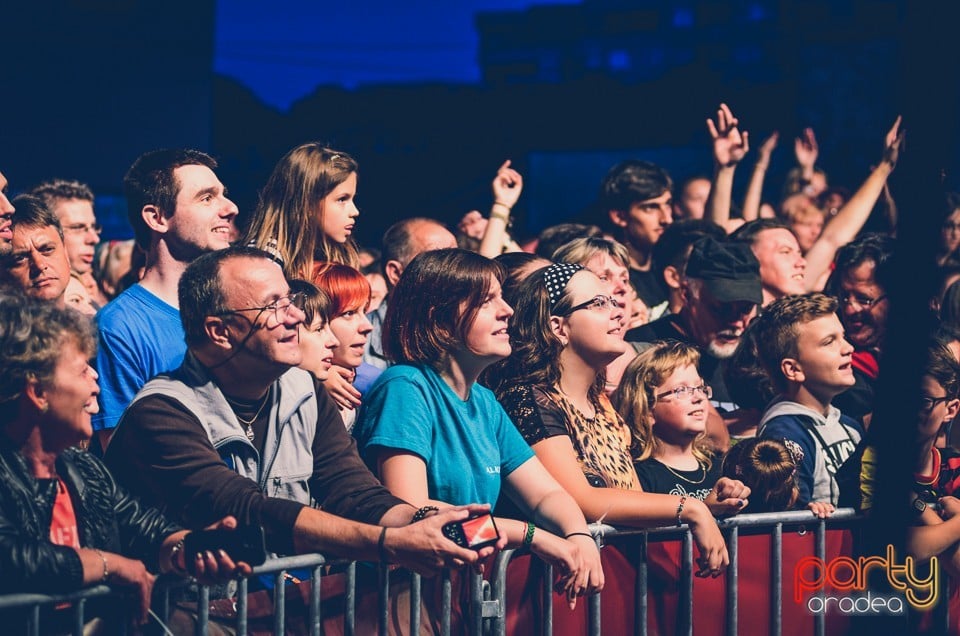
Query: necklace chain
{"x": 689, "y": 481}
{"x": 249, "y": 423}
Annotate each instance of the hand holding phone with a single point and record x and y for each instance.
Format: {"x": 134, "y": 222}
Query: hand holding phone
{"x": 245, "y": 543}
{"x": 474, "y": 533}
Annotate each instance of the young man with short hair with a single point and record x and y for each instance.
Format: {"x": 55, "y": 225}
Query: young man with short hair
{"x": 637, "y": 198}
{"x": 800, "y": 343}
{"x": 178, "y": 209}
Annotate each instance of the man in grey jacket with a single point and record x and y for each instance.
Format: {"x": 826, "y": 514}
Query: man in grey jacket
{"x": 239, "y": 428}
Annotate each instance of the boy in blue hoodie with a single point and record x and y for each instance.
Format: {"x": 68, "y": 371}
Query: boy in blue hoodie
{"x": 800, "y": 343}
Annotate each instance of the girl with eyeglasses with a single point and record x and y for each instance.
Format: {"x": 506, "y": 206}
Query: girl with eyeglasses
{"x": 664, "y": 398}
{"x": 436, "y": 437}
{"x": 564, "y": 333}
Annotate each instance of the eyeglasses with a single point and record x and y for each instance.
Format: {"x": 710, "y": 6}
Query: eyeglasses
{"x": 598, "y": 303}
{"x": 927, "y": 403}
{"x": 687, "y": 392}
{"x": 83, "y": 228}
{"x": 280, "y": 308}
{"x": 860, "y": 301}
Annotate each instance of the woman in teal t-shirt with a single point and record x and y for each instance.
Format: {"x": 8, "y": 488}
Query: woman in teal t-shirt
{"x": 436, "y": 437}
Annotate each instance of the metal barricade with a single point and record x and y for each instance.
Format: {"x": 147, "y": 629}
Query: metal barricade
{"x": 486, "y": 600}
{"x": 480, "y": 608}
{"x": 774, "y": 523}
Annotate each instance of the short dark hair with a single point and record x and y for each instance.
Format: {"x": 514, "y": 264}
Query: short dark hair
{"x": 62, "y": 190}
{"x": 150, "y": 181}
{"x": 31, "y": 211}
{"x": 438, "y": 296}
{"x": 943, "y": 367}
{"x": 633, "y": 181}
{"x": 316, "y": 302}
{"x": 749, "y": 231}
{"x": 775, "y": 330}
{"x": 200, "y": 291}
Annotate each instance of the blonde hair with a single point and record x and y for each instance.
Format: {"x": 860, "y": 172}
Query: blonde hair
{"x": 635, "y": 397}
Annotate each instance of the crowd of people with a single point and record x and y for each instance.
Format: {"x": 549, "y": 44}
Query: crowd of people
{"x": 684, "y": 358}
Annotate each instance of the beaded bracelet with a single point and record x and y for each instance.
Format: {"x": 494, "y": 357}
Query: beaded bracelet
{"x": 683, "y": 498}
{"x": 422, "y": 513}
{"x": 528, "y": 539}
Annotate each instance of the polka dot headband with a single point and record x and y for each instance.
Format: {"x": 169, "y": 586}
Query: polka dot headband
{"x": 556, "y": 278}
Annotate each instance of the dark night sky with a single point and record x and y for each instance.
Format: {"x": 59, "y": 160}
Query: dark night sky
{"x": 284, "y": 52}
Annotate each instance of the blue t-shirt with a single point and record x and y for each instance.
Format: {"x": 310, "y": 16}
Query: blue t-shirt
{"x": 468, "y": 446}
{"x": 139, "y": 337}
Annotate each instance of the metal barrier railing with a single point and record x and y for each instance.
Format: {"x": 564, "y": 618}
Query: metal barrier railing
{"x": 485, "y": 611}
{"x": 605, "y": 534}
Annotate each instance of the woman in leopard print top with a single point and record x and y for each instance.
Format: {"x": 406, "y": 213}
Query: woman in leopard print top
{"x": 564, "y": 332}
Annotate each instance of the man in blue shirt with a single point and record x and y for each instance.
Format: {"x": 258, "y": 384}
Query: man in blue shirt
{"x": 178, "y": 209}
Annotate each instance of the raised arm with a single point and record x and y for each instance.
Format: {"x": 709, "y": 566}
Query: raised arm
{"x": 507, "y": 186}
{"x": 730, "y": 145}
{"x": 852, "y": 216}
{"x": 751, "y": 202}
{"x": 806, "y": 151}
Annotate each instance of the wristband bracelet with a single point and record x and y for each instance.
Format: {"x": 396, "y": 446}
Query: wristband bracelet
{"x": 683, "y": 498}
{"x": 106, "y": 569}
{"x": 381, "y": 551}
{"x": 579, "y": 534}
{"x": 501, "y": 203}
{"x": 422, "y": 513}
{"x": 528, "y": 539}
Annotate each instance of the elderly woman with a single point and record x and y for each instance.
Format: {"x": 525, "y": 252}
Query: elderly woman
{"x": 64, "y": 522}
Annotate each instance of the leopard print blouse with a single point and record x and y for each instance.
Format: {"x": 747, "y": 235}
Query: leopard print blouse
{"x": 602, "y": 443}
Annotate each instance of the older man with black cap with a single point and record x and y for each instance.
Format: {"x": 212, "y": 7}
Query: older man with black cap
{"x": 720, "y": 291}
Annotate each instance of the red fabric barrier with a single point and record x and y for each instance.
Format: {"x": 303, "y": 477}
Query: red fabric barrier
{"x": 524, "y": 607}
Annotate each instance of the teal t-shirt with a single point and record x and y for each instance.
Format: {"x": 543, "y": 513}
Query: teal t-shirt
{"x": 468, "y": 446}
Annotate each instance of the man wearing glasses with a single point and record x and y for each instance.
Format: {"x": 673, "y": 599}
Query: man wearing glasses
{"x": 179, "y": 210}
{"x": 72, "y": 202}
{"x": 860, "y": 281}
{"x": 238, "y": 427}
{"x": 720, "y": 291}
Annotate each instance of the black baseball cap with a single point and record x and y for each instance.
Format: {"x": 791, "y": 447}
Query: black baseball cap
{"x": 727, "y": 268}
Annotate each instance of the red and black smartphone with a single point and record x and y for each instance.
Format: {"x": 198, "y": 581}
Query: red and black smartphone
{"x": 475, "y": 533}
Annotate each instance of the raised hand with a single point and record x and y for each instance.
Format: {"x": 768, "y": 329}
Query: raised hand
{"x": 893, "y": 142}
{"x": 730, "y": 145}
{"x": 766, "y": 148}
{"x": 507, "y": 185}
{"x": 806, "y": 150}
